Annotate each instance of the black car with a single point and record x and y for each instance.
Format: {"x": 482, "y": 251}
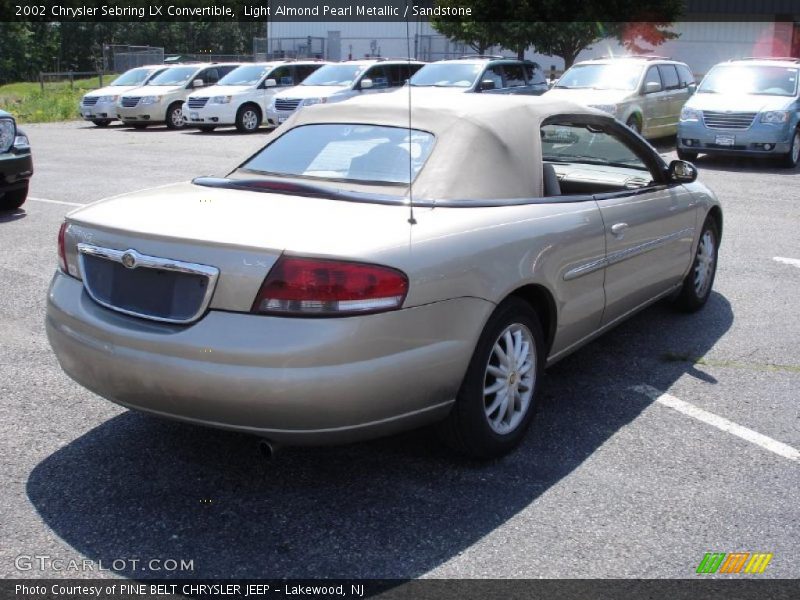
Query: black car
{"x": 487, "y": 74}
{"x": 16, "y": 164}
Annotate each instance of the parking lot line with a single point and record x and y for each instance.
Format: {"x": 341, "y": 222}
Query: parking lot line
{"x": 695, "y": 412}
{"x": 795, "y": 262}
{"x": 55, "y": 201}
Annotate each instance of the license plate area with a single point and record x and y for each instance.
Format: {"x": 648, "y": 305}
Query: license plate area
{"x": 726, "y": 140}
{"x": 147, "y": 287}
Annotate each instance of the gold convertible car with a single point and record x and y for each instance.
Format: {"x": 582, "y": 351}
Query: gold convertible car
{"x": 380, "y": 264}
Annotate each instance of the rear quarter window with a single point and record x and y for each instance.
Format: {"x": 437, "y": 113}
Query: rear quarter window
{"x": 685, "y": 75}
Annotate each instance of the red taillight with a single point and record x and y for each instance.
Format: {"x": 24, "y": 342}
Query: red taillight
{"x": 309, "y": 286}
{"x": 62, "y": 255}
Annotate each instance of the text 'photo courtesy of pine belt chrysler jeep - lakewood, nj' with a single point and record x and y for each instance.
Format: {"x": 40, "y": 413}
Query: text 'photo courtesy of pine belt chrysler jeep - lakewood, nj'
{"x": 381, "y": 264}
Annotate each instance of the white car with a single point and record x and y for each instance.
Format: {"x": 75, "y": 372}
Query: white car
{"x": 99, "y": 106}
{"x": 242, "y": 96}
{"x": 340, "y": 81}
{"x": 160, "y": 100}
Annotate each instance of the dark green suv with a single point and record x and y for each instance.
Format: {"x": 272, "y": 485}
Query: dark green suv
{"x": 16, "y": 164}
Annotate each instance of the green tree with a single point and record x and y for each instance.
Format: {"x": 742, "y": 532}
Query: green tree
{"x": 561, "y": 27}
{"x": 479, "y": 32}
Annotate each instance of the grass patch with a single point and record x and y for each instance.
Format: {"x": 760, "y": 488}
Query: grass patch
{"x": 59, "y": 101}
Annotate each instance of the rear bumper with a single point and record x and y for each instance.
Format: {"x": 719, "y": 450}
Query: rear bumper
{"x": 15, "y": 170}
{"x": 296, "y": 381}
{"x": 694, "y": 136}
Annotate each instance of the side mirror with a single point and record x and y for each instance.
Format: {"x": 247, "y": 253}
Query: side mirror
{"x": 270, "y": 83}
{"x": 198, "y": 83}
{"x": 652, "y": 86}
{"x": 487, "y": 84}
{"x": 682, "y": 171}
{"x": 692, "y": 88}
{"x": 366, "y": 84}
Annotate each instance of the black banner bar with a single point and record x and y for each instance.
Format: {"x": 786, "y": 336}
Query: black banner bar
{"x": 390, "y": 589}
{"x": 394, "y": 10}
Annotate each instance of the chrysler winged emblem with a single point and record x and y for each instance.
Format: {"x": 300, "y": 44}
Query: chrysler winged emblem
{"x": 129, "y": 260}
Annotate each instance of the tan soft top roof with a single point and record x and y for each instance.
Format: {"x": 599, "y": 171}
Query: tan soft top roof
{"x": 487, "y": 145}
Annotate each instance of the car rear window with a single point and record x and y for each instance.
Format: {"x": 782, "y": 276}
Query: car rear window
{"x": 346, "y": 152}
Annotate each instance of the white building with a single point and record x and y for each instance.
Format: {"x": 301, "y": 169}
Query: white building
{"x": 702, "y": 43}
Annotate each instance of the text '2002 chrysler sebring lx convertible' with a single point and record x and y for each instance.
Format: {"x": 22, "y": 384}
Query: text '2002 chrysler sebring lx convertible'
{"x": 301, "y": 299}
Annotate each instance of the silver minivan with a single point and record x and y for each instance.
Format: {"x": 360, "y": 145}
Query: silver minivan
{"x": 644, "y": 92}
{"x": 745, "y": 107}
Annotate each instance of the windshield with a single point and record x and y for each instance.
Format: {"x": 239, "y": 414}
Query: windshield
{"x": 338, "y": 75}
{"x": 344, "y": 152}
{"x": 245, "y": 75}
{"x": 615, "y": 76}
{"x": 173, "y": 76}
{"x": 132, "y": 77}
{"x": 750, "y": 79}
{"x": 446, "y": 75}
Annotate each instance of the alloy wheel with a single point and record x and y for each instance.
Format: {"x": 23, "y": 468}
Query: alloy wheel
{"x": 250, "y": 120}
{"x": 509, "y": 379}
{"x": 704, "y": 263}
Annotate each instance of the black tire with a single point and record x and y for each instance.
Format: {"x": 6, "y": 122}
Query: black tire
{"x": 248, "y": 118}
{"x": 14, "y": 199}
{"x": 693, "y": 295}
{"x": 467, "y": 428}
{"x": 634, "y": 122}
{"x": 791, "y": 158}
{"x": 174, "y": 117}
{"x": 687, "y": 155}
{"x": 207, "y": 128}
{"x": 102, "y": 122}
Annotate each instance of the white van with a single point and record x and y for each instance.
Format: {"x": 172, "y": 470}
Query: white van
{"x": 242, "y": 96}
{"x": 339, "y": 81}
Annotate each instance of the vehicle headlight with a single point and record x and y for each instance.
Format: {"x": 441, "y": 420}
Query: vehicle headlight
{"x": 21, "y": 142}
{"x": 775, "y": 116}
{"x": 221, "y": 99}
{"x": 609, "y": 108}
{"x": 104, "y": 99}
{"x": 312, "y": 101}
{"x": 7, "y": 133}
{"x": 690, "y": 114}
{"x": 151, "y": 100}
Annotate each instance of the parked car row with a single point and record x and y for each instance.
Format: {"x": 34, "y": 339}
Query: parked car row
{"x": 207, "y": 96}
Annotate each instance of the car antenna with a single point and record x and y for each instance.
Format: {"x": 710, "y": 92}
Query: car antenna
{"x": 411, "y": 219}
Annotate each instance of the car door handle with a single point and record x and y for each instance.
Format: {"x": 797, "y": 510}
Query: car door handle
{"x": 618, "y": 229}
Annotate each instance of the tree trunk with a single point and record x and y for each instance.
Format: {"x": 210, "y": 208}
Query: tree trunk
{"x": 569, "y": 57}
{"x": 521, "y": 53}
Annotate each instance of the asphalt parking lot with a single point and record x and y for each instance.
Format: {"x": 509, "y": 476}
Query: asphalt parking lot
{"x": 614, "y": 479}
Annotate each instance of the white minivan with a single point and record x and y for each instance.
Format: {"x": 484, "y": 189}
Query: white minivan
{"x": 241, "y": 97}
{"x": 339, "y": 81}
